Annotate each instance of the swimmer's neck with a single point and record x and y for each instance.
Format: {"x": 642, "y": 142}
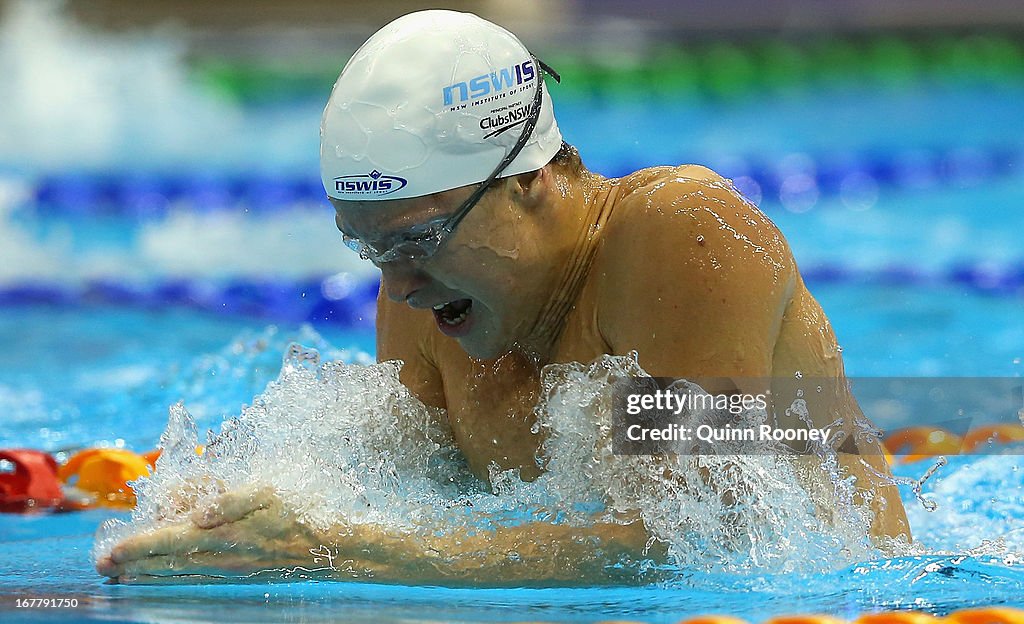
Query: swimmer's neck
{"x": 579, "y": 209}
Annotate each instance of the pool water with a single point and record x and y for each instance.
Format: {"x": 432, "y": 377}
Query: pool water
{"x": 103, "y": 375}
{"x": 87, "y": 392}
{"x": 168, "y": 277}
{"x": 48, "y": 556}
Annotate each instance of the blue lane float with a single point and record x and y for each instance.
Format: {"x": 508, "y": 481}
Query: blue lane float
{"x": 343, "y": 301}
{"x": 145, "y": 196}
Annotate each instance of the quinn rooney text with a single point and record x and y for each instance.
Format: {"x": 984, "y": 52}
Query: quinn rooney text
{"x": 707, "y": 433}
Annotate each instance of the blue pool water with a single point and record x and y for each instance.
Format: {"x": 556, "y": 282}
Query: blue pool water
{"x": 106, "y": 375}
{"x": 98, "y": 374}
{"x": 125, "y": 291}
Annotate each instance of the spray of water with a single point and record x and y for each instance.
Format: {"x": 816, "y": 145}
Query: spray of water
{"x": 349, "y": 442}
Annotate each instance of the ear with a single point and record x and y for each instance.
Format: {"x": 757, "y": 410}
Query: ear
{"x": 531, "y": 189}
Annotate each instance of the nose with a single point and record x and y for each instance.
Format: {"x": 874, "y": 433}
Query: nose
{"x": 401, "y": 280}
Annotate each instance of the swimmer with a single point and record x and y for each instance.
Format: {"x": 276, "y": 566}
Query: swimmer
{"x": 501, "y": 253}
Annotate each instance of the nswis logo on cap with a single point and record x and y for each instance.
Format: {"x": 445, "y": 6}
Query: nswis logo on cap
{"x": 493, "y": 83}
{"x": 373, "y": 183}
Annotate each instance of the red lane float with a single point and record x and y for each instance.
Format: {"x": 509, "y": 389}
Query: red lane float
{"x": 32, "y": 484}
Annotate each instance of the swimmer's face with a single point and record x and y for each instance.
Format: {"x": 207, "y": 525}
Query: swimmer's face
{"x": 472, "y": 283}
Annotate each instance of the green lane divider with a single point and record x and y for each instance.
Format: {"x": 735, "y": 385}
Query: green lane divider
{"x": 720, "y": 70}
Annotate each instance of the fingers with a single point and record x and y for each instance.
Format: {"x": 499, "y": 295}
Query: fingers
{"x": 106, "y": 567}
{"x": 160, "y": 541}
{"x": 200, "y": 567}
{"x": 194, "y": 564}
{"x": 235, "y": 505}
{"x": 172, "y": 550}
{"x": 227, "y": 525}
{"x": 176, "y": 539}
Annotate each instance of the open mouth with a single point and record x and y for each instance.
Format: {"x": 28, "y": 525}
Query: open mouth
{"x": 452, "y": 317}
{"x": 453, "y": 313}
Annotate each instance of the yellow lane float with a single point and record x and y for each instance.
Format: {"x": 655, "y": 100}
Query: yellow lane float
{"x": 105, "y": 473}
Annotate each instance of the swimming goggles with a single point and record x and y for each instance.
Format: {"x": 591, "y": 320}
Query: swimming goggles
{"x": 422, "y": 241}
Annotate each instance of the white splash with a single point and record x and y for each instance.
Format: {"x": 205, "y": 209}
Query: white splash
{"x": 75, "y": 98}
{"x": 349, "y": 441}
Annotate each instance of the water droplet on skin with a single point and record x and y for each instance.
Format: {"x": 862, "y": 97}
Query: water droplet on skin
{"x": 798, "y": 375}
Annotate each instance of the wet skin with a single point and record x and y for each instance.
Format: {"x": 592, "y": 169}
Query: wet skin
{"x": 559, "y": 266}
{"x": 670, "y": 262}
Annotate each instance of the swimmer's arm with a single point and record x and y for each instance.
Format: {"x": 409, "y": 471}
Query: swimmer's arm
{"x": 536, "y": 553}
{"x": 698, "y": 282}
{"x": 251, "y": 531}
{"x": 404, "y": 334}
{"x": 873, "y": 488}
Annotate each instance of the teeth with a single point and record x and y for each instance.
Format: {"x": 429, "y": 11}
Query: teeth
{"x": 439, "y": 306}
{"x": 458, "y": 319}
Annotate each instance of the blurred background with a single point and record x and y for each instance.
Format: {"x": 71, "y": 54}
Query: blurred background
{"x": 164, "y": 234}
{"x": 164, "y": 237}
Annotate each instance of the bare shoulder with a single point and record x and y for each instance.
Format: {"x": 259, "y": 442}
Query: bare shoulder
{"x": 683, "y": 250}
{"x": 645, "y": 179}
{"x": 689, "y": 214}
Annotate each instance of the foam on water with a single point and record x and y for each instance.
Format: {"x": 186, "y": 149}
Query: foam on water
{"x": 296, "y": 243}
{"x": 980, "y": 501}
{"x": 24, "y": 257}
{"x": 293, "y": 243}
{"x": 348, "y": 442}
{"x": 716, "y": 511}
{"x": 73, "y": 96}
{"x": 76, "y": 98}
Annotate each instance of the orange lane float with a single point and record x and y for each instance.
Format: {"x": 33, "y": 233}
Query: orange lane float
{"x": 993, "y": 434}
{"x": 897, "y": 617}
{"x": 987, "y": 615}
{"x": 30, "y": 483}
{"x": 804, "y": 619}
{"x": 105, "y": 472}
{"x": 915, "y": 443}
{"x": 152, "y": 456}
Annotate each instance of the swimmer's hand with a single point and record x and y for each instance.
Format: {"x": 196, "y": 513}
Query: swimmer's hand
{"x": 243, "y": 532}
{"x": 251, "y": 532}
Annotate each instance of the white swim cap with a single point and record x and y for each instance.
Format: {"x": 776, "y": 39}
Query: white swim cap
{"x": 432, "y": 101}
